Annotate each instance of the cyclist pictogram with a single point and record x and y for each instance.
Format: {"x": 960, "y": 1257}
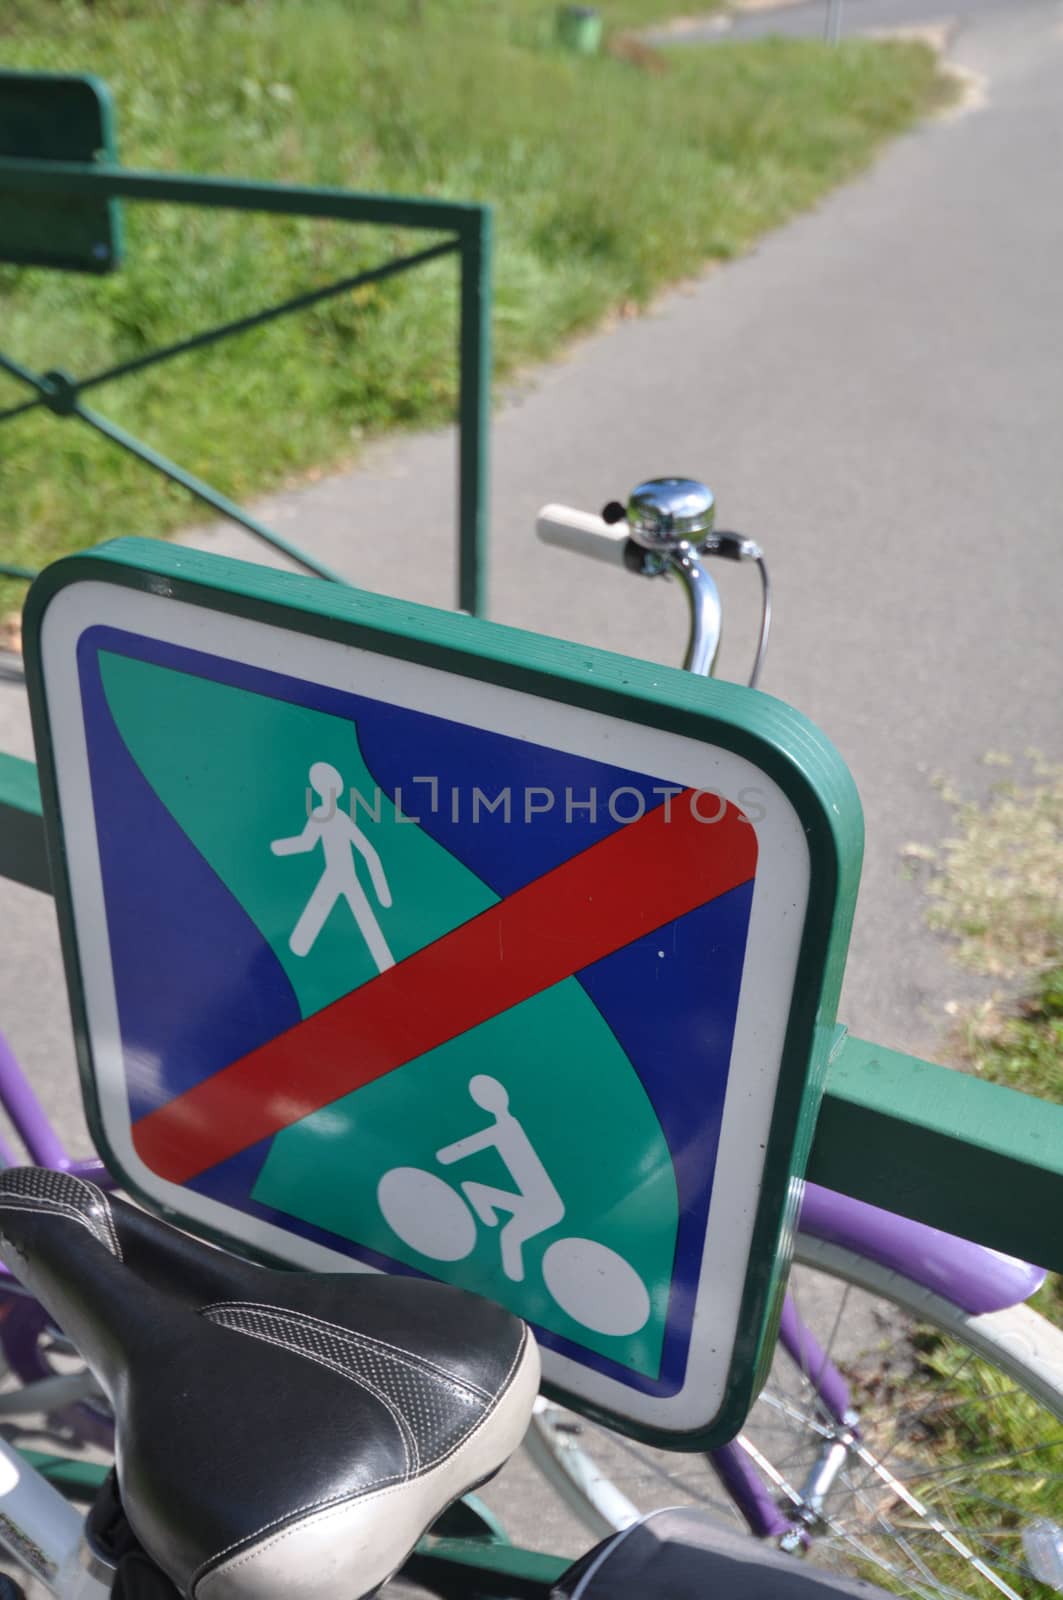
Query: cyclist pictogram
{"x": 588, "y": 1280}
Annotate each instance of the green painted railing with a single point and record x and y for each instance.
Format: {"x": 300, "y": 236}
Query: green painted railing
{"x": 23, "y": 854}
{"x": 468, "y": 235}
{"x": 974, "y": 1158}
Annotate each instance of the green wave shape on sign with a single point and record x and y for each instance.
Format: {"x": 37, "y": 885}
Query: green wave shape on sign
{"x": 231, "y": 766}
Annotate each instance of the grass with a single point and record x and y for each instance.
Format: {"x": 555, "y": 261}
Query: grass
{"x": 996, "y": 890}
{"x": 609, "y": 180}
{"x": 502, "y": 14}
{"x": 1021, "y": 1046}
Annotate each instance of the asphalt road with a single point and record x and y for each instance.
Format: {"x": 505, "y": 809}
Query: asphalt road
{"x": 875, "y": 395}
{"x": 811, "y": 19}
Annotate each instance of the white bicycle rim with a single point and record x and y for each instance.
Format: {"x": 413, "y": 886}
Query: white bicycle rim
{"x": 890, "y": 1515}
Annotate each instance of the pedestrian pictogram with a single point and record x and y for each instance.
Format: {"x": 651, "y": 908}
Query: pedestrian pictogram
{"x": 338, "y": 835}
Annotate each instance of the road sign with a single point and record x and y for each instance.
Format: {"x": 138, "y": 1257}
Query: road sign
{"x": 405, "y": 942}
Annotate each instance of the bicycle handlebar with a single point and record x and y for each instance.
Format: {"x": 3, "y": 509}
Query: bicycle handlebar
{"x": 583, "y": 533}
{"x": 667, "y": 528}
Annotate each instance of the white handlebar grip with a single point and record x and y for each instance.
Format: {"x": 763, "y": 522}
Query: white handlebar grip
{"x": 583, "y": 533}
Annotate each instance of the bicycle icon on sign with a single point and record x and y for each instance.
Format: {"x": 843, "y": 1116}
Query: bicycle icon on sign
{"x": 590, "y": 1282}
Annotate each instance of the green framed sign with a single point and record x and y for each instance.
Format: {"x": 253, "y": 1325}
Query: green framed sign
{"x": 404, "y": 942}
{"x": 58, "y": 116}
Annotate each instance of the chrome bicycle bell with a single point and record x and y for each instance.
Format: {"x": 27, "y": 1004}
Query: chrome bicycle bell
{"x": 664, "y": 513}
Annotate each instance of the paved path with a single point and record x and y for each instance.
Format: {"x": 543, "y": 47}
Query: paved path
{"x": 809, "y": 19}
{"x": 875, "y": 394}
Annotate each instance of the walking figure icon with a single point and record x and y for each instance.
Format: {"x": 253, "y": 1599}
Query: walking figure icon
{"x": 587, "y": 1279}
{"x": 339, "y": 836}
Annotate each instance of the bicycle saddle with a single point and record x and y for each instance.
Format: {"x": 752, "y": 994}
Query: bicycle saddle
{"x": 278, "y": 1433}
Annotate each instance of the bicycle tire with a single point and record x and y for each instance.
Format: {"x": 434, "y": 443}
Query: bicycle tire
{"x": 917, "y": 1396}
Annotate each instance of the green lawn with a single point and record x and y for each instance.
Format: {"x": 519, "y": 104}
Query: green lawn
{"x": 503, "y": 14}
{"x": 610, "y": 178}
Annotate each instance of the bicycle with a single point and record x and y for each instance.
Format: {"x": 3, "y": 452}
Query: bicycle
{"x": 840, "y": 1234}
{"x": 841, "y": 1471}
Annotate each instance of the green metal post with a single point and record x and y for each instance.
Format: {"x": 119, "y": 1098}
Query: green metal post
{"x": 973, "y": 1158}
{"x": 23, "y": 854}
{"x": 467, "y": 1567}
{"x": 475, "y": 355}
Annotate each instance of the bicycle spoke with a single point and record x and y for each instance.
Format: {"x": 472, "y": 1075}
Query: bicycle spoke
{"x": 771, "y": 1472}
{"x": 888, "y": 1569}
{"x": 788, "y": 1410}
{"x": 975, "y": 1469}
{"x": 957, "y": 1545}
{"x": 870, "y": 1555}
{"x": 921, "y": 1415}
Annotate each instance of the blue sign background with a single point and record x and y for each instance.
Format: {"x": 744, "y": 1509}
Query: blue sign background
{"x": 199, "y": 987}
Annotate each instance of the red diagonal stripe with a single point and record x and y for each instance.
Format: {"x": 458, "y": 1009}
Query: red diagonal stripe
{"x": 636, "y": 880}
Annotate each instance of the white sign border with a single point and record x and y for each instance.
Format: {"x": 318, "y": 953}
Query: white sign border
{"x": 777, "y": 917}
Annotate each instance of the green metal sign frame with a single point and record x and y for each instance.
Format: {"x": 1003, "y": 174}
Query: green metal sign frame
{"x": 39, "y": 178}
{"x": 812, "y": 821}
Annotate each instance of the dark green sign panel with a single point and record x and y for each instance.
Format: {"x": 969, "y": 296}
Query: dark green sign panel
{"x": 48, "y": 116}
{"x": 404, "y": 942}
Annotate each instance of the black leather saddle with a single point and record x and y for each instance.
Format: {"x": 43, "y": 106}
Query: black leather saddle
{"x": 278, "y": 1433}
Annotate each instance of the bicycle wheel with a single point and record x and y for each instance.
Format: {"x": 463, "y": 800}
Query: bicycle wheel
{"x": 959, "y": 1451}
